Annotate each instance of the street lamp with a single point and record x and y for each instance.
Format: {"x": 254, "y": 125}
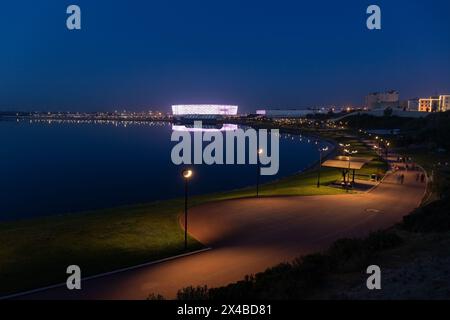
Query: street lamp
{"x": 349, "y": 153}
{"x": 260, "y": 152}
{"x": 187, "y": 174}
{"x": 320, "y": 164}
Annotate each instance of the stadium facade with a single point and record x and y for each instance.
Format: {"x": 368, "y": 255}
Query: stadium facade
{"x": 203, "y": 111}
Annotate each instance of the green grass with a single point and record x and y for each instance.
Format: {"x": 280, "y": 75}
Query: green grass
{"x": 35, "y": 253}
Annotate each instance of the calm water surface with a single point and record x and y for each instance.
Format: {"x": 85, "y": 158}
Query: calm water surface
{"x": 56, "y": 168}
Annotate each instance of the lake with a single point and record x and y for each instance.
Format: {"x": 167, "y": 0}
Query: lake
{"x": 54, "y": 168}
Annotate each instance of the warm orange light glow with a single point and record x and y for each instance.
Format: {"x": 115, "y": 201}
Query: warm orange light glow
{"x": 187, "y": 174}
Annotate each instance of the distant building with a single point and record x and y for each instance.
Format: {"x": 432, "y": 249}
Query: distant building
{"x": 429, "y": 104}
{"x": 444, "y": 103}
{"x": 284, "y": 113}
{"x": 413, "y": 104}
{"x": 403, "y": 104}
{"x": 203, "y": 111}
{"x": 435, "y": 104}
{"x": 383, "y": 100}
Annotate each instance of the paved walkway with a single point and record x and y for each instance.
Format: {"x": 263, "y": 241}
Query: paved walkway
{"x": 250, "y": 235}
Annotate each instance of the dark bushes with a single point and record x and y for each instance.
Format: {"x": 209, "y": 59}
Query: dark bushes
{"x": 434, "y": 217}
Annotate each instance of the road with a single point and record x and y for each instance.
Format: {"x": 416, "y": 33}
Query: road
{"x": 250, "y": 235}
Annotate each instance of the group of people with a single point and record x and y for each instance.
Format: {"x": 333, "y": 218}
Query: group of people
{"x": 420, "y": 177}
{"x": 408, "y": 165}
{"x": 400, "y": 178}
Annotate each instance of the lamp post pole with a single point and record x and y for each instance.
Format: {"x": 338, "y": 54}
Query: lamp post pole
{"x": 258, "y": 170}
{"x": 320, "y": 165}
{"x": 344, "y": 174}
{"x": 186, "y": 175}
{"x": 349, "y": 153}
{"x": 380, "y": 150}
{"x": 185, "y": 212}
{"x": 348, "y": 174}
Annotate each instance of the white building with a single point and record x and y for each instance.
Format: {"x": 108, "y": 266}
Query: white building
{"x": 203, "y": 111}
{"x": 413, "y": 104}
{"x": 444, "y": 103}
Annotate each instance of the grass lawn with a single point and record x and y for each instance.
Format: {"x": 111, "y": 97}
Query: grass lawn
{"x": 36, "y": 252}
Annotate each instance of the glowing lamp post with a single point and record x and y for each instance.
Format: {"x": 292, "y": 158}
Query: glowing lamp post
{"x": 320, "y": 164}
{"x": 258, "y": 172}
{"x": 350, "y": 153}
{"x": 187, "y": 174}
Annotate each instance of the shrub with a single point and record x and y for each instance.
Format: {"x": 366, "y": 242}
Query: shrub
{"x": 382, "y": 240}
{"x": 434, "y": 217}
{"x": 193, "y": 293}
{"x": 153, "y": 296}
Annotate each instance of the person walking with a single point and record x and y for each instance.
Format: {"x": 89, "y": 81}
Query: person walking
{"x": 402, "y": 178}
{"x": 422, "y": 178}
{"x": 417, "y": 177}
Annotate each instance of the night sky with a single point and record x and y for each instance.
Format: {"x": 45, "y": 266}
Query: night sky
{"x": 140, "y": 55}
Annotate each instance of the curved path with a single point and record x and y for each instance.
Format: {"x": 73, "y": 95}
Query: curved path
{"x": 250, "y": 235}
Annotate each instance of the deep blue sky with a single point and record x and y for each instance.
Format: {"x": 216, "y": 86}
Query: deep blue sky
{"x": 150, "y": 54}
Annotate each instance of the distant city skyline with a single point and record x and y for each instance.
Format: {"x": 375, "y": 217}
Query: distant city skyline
{"x": 255, "y": 54}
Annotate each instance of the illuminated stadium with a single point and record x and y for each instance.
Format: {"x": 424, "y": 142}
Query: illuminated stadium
{"x": 203, "y": 111}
